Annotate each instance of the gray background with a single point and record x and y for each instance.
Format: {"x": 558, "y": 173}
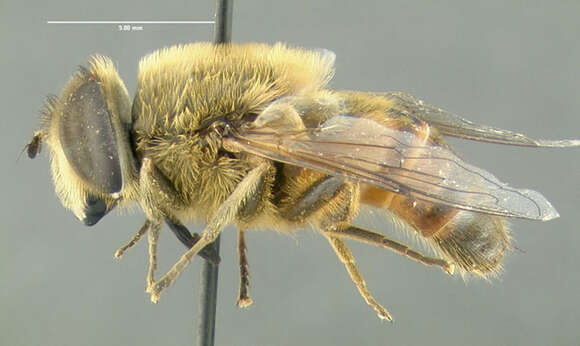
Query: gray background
{"x": 509, "y": 64}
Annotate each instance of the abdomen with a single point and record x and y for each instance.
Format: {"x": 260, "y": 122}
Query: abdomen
{"x": 474, "y": 242}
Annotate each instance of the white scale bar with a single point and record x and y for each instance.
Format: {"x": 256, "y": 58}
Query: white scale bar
{"x": 130, "y": 22}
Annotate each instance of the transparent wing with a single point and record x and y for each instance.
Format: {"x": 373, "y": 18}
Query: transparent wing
{"x": 453, "y": 125}
{"x": 363, "y": 150}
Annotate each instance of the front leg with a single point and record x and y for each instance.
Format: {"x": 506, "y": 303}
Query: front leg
{"x": 152, "y": 229}
{"x": 144, "y": 229}
{"x": 225, "y": 214}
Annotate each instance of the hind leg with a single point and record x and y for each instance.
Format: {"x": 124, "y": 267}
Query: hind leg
{"x": 244, "y": 299}
{"x": 377, "y": 239}
{"x": 330, "y": 204}
{"x": 346, "y": 257}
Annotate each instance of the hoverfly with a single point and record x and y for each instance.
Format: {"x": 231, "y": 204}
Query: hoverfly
{"x": 251, "y": 135}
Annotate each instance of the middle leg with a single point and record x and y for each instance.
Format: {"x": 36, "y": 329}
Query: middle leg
{"x": 153, "y": 238}
{"x": 244, "y": 299}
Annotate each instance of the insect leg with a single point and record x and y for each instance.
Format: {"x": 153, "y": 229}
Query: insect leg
{"x": 157, "y": 192}
{"x": 244, "y": 299}
{"x": 377, "y": 239}
{"x": 158, "y": 196}
{"x": 152, "y": 237}
{"x": 146, "y": 226}
{"x": 347, "y": 259}
{"x": 187, "y": 239}
{"x": 226, "y": 213}
{"x": 328, "y": 203}
{"x": 335, "y": 202}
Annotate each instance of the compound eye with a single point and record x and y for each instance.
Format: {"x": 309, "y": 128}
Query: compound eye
{"x": 88, "y": 138}
{"x": 87, "y": 130}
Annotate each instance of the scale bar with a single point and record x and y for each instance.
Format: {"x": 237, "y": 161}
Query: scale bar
{"x": 130, "y": 22}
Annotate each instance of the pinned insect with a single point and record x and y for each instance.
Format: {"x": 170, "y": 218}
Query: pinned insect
{"x": 250, "y": 135}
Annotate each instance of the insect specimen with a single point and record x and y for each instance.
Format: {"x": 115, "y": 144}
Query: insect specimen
{"x": 251, "y": 135}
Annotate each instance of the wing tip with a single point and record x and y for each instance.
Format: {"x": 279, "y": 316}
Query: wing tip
{"x": 564, "y": 143}
{"x": 546, "y": 210}
{"x": 550, "y": 215}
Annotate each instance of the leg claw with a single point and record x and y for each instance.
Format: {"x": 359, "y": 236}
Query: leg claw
{"x": 245, "y": 302}
{"x": 155, "y": 289}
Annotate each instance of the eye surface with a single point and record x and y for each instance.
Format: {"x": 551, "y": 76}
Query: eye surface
{"x": 88, "y": 139}
{"x": 86, "y": 130}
